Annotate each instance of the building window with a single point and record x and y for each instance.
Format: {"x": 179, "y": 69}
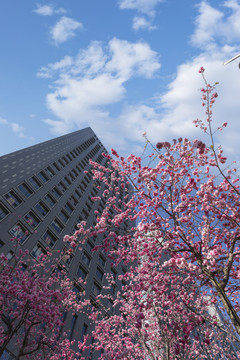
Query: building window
{"x": 57, "y": 226}
{"x": 89, "y": 207}
{"x": 19, "y": 233}
{"x": 32, "y": 219}
{"x": 50, "y": 171}
{"x": 72, "y": 326}
{"x": 81, "y": 273}
{"x": 74, "y": 172}
{"x": 69, "y": 157}
{"x": 65, "y": 160}
{"x": 43, "y": 177}
{"x": 78, "y": 194}
{"x": 79, "y": 219}
{"x": 75, "y": 228}
{"x": 10, "y": 255}
{"x": 110, "y": 305}
{"x": 85, "y": 214}
{"x": 67, "y": 180}
{"x": 73, "y": 200}
{"x": 62, "y": 319}
{"x": 114, "y": 273}
{"x": 61, "y": 163}
{"x": 38, "y": 251}
{"x": 49, "y": 238}
{"x": 41, "y": 208}
{"x": 62, "y": 187}
{"x": 113, "y": 289}
{"x": 56, "y": 193}
{"x": 84, "y": 184}
{"x": 81, "y": 188}
{"x": 68, "y": 207}
{"x": 96, "y": 289}
{"x": 86, "y": 259}
{"x": 84, "y": 332}
{"x": 66, "y": 256}
{"x": 59, "y": 272}
{"x": 50, "y": 200}
{"x": 56, "y": 167}
{"x": 25, "y": 190}
{"x": 78, "y": 292}
{"x": 101, "y": 260}
{"x": 3, "y": 212}
{"x": 13, "y": 199}
{"x": 86, "y": 179}
{"x": 89, "y": 246}
{"x": 63, "y": 216}
{"x": 33, "y": 181}
{"x": 99, "y": 274}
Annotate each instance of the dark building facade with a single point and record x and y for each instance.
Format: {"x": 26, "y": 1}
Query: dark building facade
{"x": 44, "y": 194}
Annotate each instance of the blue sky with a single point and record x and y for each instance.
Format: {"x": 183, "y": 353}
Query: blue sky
{"x": 120, "y": 66}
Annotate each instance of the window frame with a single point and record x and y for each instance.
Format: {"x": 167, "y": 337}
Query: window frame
{"x": 96, "y": 286}
{"x": 6, "y": 212}
{"x": 85, "y": 272}
{"x": 88, "y": 257}
{"x": 43, "y": 251}
{"x": 35, "y": 180}
{"x": 26, "y": 232}
{"x": 26, "y": 187}
{"x": 43, "y": 177}
{"x": 59, "y": 226}
{"x": 54, "y": 201}
{"x": 52, "y": 237}
{"x": 42, "y": 204}
{"x": 99, "y": 274}
{"x": 67, "y": 217}
{"x": 34, "y": 216}
{"x": 55, "y": 191}
{"x": 13, "y": 195}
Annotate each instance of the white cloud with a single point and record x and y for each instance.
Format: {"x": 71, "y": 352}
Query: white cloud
{"x": 142, "y": 6}
{"x": 16, "y": 128}
{"x": 48, "y": 10}
{"x": 140, "y": 23}
{"x": 65, "y": 29}
{"x": 215, "y": 36}
{"x": 207, "y": 23}
{"x": 3, "y": 121}
{"x": 172, "y": 115}
{"x": 48, "y": 71}
{"x": 91, "y": 61}
{"x": 213, "y": 26}
{"x": 95, "y": 79}
{"x": 132, "y": 59}
{"x": 121, "y": 59}
{"x": 146, "y": 7}
{"x": 78, "y": 100}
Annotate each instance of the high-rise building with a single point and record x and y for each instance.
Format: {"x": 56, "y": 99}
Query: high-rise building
{"x": 44, "y": 194}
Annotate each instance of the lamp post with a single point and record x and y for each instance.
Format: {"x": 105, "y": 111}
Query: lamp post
{"x": 232, "y": 59}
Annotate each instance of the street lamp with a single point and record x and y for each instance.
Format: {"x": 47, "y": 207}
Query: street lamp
{"x": 232, "y": 59}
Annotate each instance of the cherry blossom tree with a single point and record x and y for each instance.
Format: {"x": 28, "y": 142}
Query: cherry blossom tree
{"x": 180, "y": 298}
{"x": 32, "y": 300}
{"x": 171, "y": 221}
